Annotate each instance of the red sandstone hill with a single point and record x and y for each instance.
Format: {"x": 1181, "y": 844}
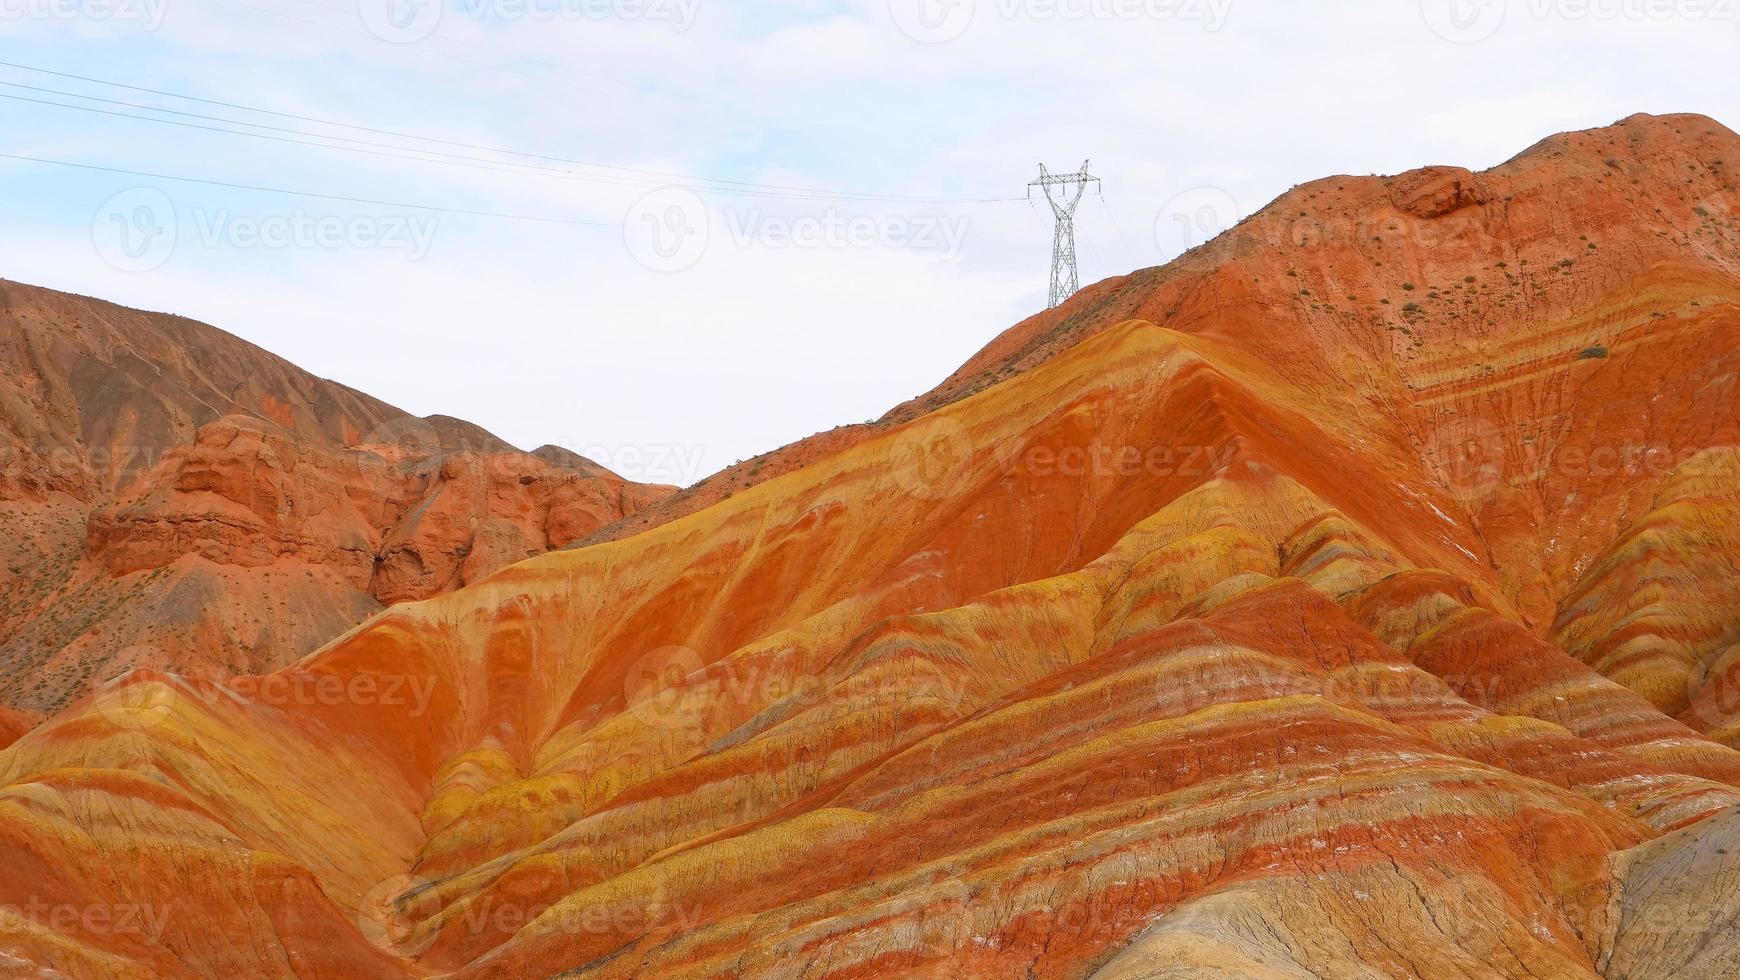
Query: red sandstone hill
{"x": 1353, "y": 597}
{"x": 178, "y": 498}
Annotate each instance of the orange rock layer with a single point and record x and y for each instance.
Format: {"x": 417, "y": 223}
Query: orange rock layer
{"x": 1229, "y": 622}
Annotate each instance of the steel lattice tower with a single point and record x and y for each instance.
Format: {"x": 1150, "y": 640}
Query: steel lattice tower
{"x": 1065, "y": 279}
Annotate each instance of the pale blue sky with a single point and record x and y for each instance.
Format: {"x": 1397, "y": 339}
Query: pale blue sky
{"x": 800, "y": 312}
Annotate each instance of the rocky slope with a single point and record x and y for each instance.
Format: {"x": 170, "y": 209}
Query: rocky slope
{"x": 1350, "y": 598}
{"x": 176, "y": 498}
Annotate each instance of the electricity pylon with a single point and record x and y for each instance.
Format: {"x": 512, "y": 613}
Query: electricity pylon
{"x": 1065, "y": 279}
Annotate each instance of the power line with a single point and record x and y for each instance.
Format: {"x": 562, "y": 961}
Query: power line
{"x": 661, "y": 176}
{"x": 444, "y": 159}
{"x": 474, "y": 164}
{"x": 1113, "y": 215}
{"x": 264, "y": 136}
{"x": 314, "y": 194}
{"x": 224, "y": 119}
{"x": 425, "y": 49}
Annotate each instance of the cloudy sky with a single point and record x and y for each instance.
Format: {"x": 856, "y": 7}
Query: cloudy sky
{"x": 671, "y": 234}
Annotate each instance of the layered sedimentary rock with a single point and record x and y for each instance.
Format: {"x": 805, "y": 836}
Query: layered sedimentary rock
{"x": 176, "y": 498}
{"x": 1346, "y": 599}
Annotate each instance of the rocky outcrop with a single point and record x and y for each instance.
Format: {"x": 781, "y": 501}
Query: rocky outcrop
{"x": 180, "y": 499}
{"x": 248, "y": 495}
{"x": 1437, "y": 191}
{"x": 400, "y": 529}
